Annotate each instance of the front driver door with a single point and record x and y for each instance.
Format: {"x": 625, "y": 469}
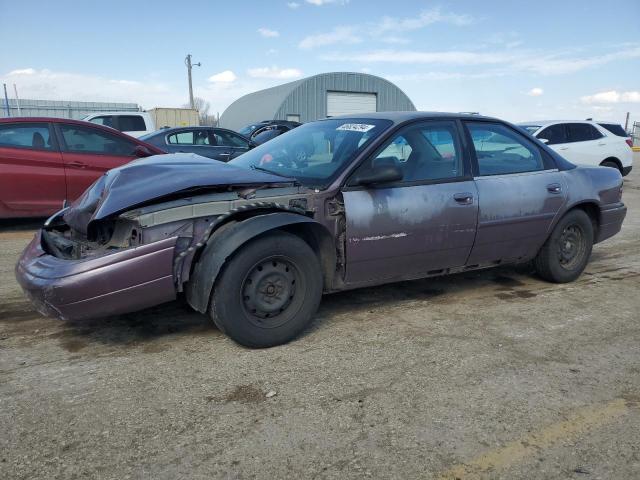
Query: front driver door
{"x": 520, "y": 192}
{"x": 420, "y": 225}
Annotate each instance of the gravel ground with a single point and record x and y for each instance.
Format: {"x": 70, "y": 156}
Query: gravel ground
{"x": 495, "y": 374}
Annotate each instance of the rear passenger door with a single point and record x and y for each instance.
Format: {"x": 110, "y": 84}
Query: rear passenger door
{"x": 32, "y": 180}
{"x": 88, "y": 153}
{"x": 232, "y": 143}
{"x": 520, "y": 192}
{"x": 585, "y": 144}
{"x": 420, "y": 225}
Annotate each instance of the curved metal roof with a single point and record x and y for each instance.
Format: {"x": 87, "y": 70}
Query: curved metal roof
{"x": 267, "y": 104}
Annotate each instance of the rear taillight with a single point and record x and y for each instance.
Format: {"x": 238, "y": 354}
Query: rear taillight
{"x": 629, "y": 142}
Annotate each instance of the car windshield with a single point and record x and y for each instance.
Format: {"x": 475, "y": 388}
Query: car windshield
{"x": 530, "y": 128}
{"x": 316, "y": 152}
{"x": 246, "y": 131}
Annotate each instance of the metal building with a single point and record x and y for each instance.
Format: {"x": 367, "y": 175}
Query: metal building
{"x": 319, "y": 96}
{"x": 62, "y": 108}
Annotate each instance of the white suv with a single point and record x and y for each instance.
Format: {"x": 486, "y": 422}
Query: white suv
{"x": 584, "y": 142}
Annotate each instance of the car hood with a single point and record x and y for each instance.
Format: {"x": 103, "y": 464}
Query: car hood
{"x": 153, "y": 178}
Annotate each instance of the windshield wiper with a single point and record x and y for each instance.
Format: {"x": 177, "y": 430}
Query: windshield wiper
{"x": 266, "y": 170}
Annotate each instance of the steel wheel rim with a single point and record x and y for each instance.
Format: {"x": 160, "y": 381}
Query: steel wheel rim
{"x": 269, "y": 290}
{"x": 571, "y": 246}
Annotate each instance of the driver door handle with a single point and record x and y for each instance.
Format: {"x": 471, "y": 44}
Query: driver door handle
{"x": 77, "y": 164}
{"x": 554, "y": 188}
{"x": 463, "y": 198}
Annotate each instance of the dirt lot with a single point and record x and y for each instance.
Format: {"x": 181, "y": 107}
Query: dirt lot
{"x": 486, "y": 375}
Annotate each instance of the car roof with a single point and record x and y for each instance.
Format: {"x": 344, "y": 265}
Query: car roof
{"x": 544, "y": 123}
{"x": 399, "y": 117}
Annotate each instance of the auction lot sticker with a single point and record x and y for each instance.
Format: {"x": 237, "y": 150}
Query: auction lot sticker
{"x": 355, "y": 127}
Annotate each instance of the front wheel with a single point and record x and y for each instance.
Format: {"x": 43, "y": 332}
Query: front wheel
{"x": 566, "y": 252}
{"x": 268, "y": 292}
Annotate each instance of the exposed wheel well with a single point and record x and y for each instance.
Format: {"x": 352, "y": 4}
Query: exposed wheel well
{"x": 320, "y": 242}
{"x": 613, "y": 160}
{"x": 592, "y": 210}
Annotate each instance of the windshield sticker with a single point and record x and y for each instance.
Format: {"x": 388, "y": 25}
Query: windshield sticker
{"x": 355, "y": 127}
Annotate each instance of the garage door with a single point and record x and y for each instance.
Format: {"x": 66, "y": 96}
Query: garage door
{"x": 350, "y": 103}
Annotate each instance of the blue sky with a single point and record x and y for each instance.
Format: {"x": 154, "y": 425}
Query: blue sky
{"x": 516, "y": 60}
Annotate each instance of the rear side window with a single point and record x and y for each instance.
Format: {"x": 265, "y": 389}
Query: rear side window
{"x": 554, "y": 134}
{"x": 615, "y": 129}
{"x": 106, "y": 120}
{"x": 190, "y": 137}
{"x": 26, "y": 135}
{"x": 131, "y": 123}
{"x": 89, "y": 140}
{"x": 582, "y": 132}
{"x": 501, "y": 151}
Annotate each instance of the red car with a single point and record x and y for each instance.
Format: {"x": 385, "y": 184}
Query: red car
{"x": 45, "y": 161}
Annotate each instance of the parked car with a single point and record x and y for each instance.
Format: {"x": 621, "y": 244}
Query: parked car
{"x": 264, "y": 131}
{"x": 135, "y": 124}
{"x": 585, "y": 142}
{"x": 254, "y": 243}
{"x": 47, "y": 161}
{"x": 217, "y": 143}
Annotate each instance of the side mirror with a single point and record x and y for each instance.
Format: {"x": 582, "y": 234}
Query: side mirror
{"x": 380, "y": 174}
{"x": 544, "y": 140}
{"x": 141, "y": 151}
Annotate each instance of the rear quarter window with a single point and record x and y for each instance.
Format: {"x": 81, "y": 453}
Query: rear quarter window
{"x": 615, "y": 129}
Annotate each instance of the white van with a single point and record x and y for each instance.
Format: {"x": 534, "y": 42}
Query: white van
{"x": 135, "y": 124}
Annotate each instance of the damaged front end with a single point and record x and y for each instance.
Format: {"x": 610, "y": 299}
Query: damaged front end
{"x": 100, "y": 258}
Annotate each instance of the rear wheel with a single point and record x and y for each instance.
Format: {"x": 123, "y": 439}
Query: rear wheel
{"x": 566, "y": 252}
{"x": 268, "y": 292}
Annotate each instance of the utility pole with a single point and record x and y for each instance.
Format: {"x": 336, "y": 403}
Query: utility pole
{"x": 6, "y": 100}
{"x": 187, "y": 62}
{"x": 626, "y": 123}
{"x": 15, "y": 89}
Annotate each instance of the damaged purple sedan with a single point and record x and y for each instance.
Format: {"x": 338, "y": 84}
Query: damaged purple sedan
{"x": 335, "y": 204}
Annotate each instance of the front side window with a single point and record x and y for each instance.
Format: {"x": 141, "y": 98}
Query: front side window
{"x": 26, "y": 135}
{"x": 423, "y": 152}
{"x": 501, "y": 151}
{"x": 316, "y": 152}
{"x": 554, "y": 134}
{"x": 88, "y": 140}
{"x": 131, "y": 123}
{"x": 228, "y": 139}
{"x": 582, "y": 132}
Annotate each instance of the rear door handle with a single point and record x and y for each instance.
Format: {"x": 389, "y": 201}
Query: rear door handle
{"x": 554, "y": 188}
{"x": 564, "y": 148}
{"x": 77, "y": 164}
{"x": 463, "y": 198}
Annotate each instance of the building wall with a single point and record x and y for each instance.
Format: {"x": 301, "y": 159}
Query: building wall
{"x": 309, "y": 98}
{"x": 63, "y": 108}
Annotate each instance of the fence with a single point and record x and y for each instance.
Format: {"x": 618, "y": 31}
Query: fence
{"x": 62, "y": 108}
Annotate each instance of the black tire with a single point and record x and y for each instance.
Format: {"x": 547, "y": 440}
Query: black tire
{"x": 268, "y": 291}
{"x": 611, "y": 164}
{"x": 566, "y": 252}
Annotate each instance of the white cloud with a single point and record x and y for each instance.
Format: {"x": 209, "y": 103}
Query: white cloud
{"x": 342, "y": 35}
{"x": 612, "y": 96}
{"x": 535, "y": 92}
{"x": 293, "y": 5}
{"x": 265, "y": 32}
{"x": 413, "y": 56}
{"x": 319, "y": 3}
{"x": 54, "y": 85}
{"x": 223, "y": 77}
{"x": 395, "y": 40}
{"x": 274, "y": 72}
{"x": 425, "y": 18}
{"x": 510, "y": 60}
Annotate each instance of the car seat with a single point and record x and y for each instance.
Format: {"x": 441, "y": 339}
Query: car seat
{"x": 37, "y": 140}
